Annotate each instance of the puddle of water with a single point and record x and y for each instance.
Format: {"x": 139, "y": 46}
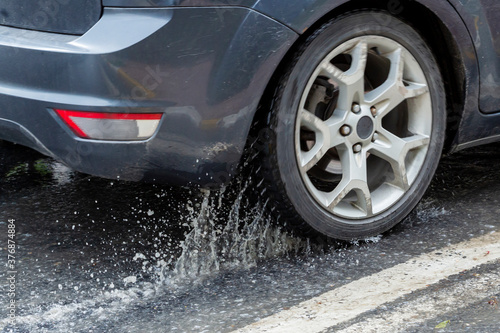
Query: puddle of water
{"x": 226, "y": 231}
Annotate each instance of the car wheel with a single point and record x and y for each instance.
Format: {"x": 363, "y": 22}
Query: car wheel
{"x": 358, "y": 123}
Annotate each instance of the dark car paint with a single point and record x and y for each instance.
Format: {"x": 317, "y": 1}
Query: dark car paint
{"x": 299, "y": 15}
{"x": 168, "y": 62}
{"x": 483, "y": 21}
{"x": 205, "y": 68}
{"x": 61, "y": 16}
{"x": 472, "y": 58}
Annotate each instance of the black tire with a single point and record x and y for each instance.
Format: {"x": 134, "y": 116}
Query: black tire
{"x": 292, "y": 187}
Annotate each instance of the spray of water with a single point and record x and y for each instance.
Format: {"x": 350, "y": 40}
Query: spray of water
{"x": 228, "y": 231}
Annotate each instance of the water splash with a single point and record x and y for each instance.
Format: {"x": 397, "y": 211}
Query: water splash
{"x": 228, "y": 231}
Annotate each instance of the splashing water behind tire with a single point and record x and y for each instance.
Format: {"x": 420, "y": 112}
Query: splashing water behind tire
{"x": 228, "y": 231}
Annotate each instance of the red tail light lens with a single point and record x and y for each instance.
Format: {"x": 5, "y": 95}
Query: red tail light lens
{"x": 111, "y": 125}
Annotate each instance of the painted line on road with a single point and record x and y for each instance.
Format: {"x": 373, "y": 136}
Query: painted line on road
{"x": 430, "y": 307}
{"x": 351, "y": 300}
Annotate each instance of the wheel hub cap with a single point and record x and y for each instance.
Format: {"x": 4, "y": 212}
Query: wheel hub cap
{"x": 365, "y": 127}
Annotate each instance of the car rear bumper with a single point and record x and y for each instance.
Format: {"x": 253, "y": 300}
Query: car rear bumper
{"x": 204, "y": 69}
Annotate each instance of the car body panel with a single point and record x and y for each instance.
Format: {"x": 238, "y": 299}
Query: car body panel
{"x": 176, "y": 61}
{"x": 484, "y": 28}
{"x": 177, "y": 3}
{"x": 205, "y": 68}
{"x": 61, "y": 16}
{"x": 299, "y": 15}
{"x": 473, "y": 127}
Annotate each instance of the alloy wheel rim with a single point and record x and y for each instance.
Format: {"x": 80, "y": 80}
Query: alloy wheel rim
{"x": 363, "y": 127}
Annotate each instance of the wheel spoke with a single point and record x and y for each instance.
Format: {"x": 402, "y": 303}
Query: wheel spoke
{"x": 326, "y": 136}
{"x": 394, "y": 91}
{"x": 354, "y": 179}
{"x": 394, "y": 149}
{"x": 414, "y": 89}
{"x": 351, "y": 82}
{"x": 334, "y": 124}
{"x": 312, "y": 122}
{"x": 310, "y": 158}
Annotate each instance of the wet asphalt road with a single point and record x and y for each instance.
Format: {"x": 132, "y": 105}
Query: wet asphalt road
{"x": 96, "y": 255}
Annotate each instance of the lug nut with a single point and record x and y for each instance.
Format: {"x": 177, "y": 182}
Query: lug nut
{"x": 375, "y": 137}
{"x": 345, "y": 130}
{"x": 357, "y": 148}
{"x": 373, "y": 110}
{"x": 356, "y": 108}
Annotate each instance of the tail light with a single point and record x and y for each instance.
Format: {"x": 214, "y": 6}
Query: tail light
{"x": 111, "y": 125}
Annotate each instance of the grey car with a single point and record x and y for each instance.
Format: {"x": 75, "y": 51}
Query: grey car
{"x": 348, "y": 105}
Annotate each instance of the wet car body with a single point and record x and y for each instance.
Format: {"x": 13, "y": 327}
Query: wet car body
{"x": 204, "y": 66}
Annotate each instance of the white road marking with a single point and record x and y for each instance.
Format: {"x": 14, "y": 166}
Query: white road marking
{"x": 427, "y": 307}
{"x": 349, "y": 301}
